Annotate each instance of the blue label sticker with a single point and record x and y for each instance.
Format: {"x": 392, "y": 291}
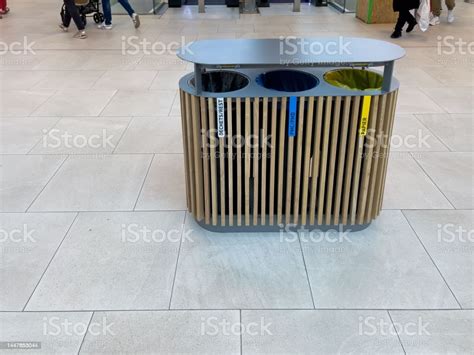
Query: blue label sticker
{"x": 292, "y": 117}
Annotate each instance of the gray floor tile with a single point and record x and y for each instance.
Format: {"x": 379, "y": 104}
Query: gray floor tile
{"x": 22, "y": 179}
{"x": 452, "y": 173}
{"x": 436, "y": 332}
{"x": 449, "y": 238}
{"x": 113, "y": 261}
{"x": 140, "y": 103}
{"x": 22, "y": 102}
{"x": 238, "y": 270}
{"x": 95, "y": 183}
{"x": 166, "y": 332}
{"x": 54, "y": 332}
{"x": 27, "y": 244}
{"x": 383, "y": 267}
{"x": 318, "y": 332}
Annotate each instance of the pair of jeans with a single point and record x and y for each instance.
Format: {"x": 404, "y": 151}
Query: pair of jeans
{"x": 108, "y": 10}
{"x": 436, "y": 6}
{"x": 72, "y": 12}
{"x": 404, "y": 16}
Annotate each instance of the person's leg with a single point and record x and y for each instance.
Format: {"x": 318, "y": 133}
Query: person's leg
{"x": 74, "y": 13}
{"x": 450, "y": 4}
{"x": 66, "y": 18}
{"x": 107, "y": 12}
{"x": 3, "y": 5}
{"x": 126, "y": 5}
{"x": 436, "y": 7}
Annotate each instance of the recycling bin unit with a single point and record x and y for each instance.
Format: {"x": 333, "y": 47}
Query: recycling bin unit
{"x": 275, "y": 137}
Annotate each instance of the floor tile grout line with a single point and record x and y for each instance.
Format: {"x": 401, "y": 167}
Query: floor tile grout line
{"x": 431, "y": 258}
{"x": 54, "y": 93}
{"x": 107, "y": 103}
{"x": 177, "y": 260}
{"x": 51, "y": 260}
{"x": 396, "y": 332}
{"x": 47, "y": 183}
{"x": 130, "y": 119}
{"x": 431, "y": 179}
{"x": 431, "y": 131}
{"x": 306, "y": 271}
{"x": 45, "y": 131}
{"x": 85, "y": 333}
{"x": 143, "y": 182}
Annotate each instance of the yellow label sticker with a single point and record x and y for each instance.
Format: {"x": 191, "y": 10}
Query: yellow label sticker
{"x": 364, "y": 120}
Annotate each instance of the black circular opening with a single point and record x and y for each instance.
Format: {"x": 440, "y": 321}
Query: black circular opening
{"x": 222, "y": 81}
{"x": 288, "y": 80}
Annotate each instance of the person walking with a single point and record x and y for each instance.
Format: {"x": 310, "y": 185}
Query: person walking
{"x": 403, "y": 8}
{"x": 71, "y": 12}
{"x": 3, "y": 8}
{"x": 436, "y": 11}
{"x": 107, "y": 24}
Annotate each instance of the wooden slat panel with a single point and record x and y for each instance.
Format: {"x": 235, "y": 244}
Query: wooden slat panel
{"x": 380, "y": 118}
{"x": 367, "y": 166}
{"x": 185, "y": 150}
{"x": 230, "y": 161}
{"x": 189, "y": 131}
{"x": 197, "y": 158}
{"x": 342, "y": 158}
{"x": 205, "y": 151}
{"x": 239, "y": 143}
{"x": 263, "y": 199}
{"x": 336, "y": 117}
{"x": 307, "y": 160}
{"x": 350, "y": 158}
{"x": 212, "y": 129}
{"x": 281, "y": 156}
{"x": 248, "y": 132}
{"x": 316, "y": 159}
{"x": 324, "y": 157}
{"x": 356, "y": 172}
{"x": 273, "y": 153}
{"x": 256, "y": 131}
{"x": 299, "y": 153}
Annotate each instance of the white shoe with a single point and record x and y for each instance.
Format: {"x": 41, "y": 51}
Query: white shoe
{"x": 63, "y": 28}
{"x": 450, "y": 16}
{"x": 80, "y": 35}
{"x": 136, "y": 20}
{"x": 103, "y": 26}
{"x": 435, "y": 21}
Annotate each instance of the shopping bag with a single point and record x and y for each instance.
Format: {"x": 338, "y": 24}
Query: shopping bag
{"x": 423, "y": 15}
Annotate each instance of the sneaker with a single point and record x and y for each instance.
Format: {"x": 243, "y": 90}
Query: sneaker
{"x": 411, "y": 26}
{"x": 64, "y": 28}
{"x": 103, "y": 26}
{"x": 136, "y": 20}
{"x": 396, "y": 34}
{"x": 435, "y": 21}
{"x": 450, "y": 16}
{"x": 80, "y": 35}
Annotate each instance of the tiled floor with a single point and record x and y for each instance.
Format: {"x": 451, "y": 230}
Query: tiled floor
{"x": 99, "y": 256}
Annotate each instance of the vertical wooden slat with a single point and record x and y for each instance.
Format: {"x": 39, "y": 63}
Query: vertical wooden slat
{"x": 222, "y": 184}
{"x": 185, "y": 150}
{"x": 205, "y": 158}
{"x": 214, "y": 142}
{"x": 281, "y": 156}
{"x": 307, "y": 160}
{"x": 379, "y": 117}
{"x": 189, "y": 131}
{"x": 324, "y": 156}
{"x": 256, "y": 131}
{"x": 289, "y": 177}
{"x": 299, "y": 153}
{"x": 247, "y": 160}
{"x": 263, "y": 199}
{"x": 239, "y": 143}
{"x": 342, "y": 158}
{"x": 336, "y": 116}
{"x": 316, "y": 159}
{"x": 273, "y": 152}
{"x": 350, "y": 158}
{"x": 230, "y": 161}
{"x": 197, "y": 158}
{"x": 367, "y": 161}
